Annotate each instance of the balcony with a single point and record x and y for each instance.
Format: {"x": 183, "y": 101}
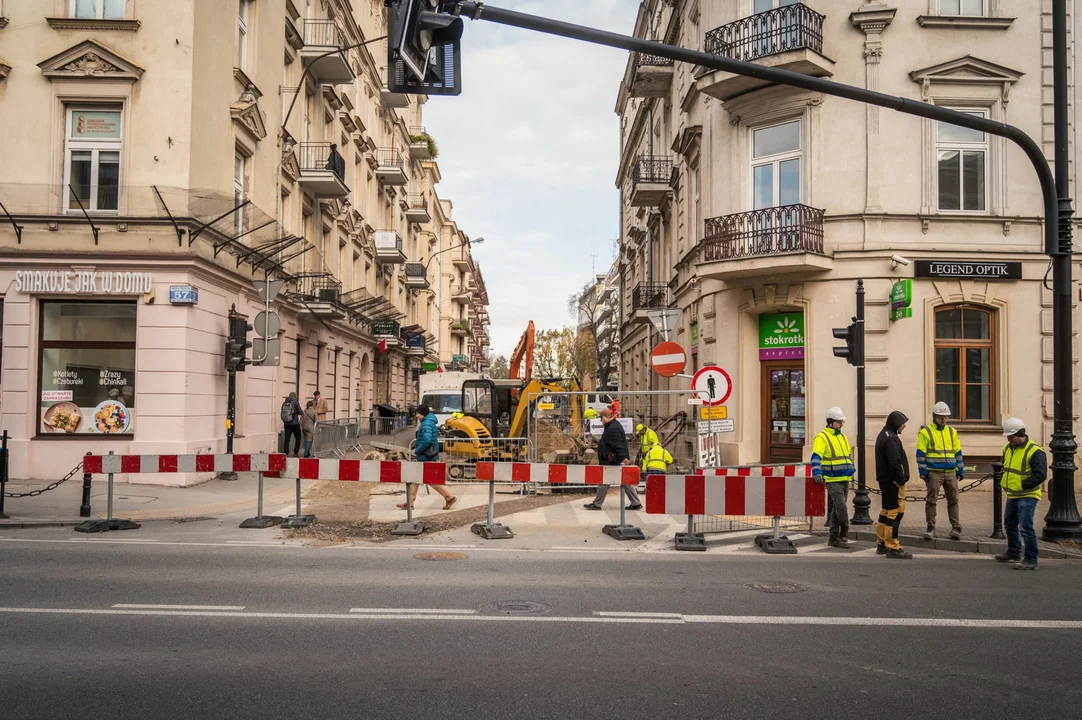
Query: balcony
{"x": 460, "y": 258}
{"x": 322, "y": 170}
{"x": 651, "y": 77}
{"x": 390, "y": 167}
{"x": 459, "y": 294}
{"x": 788, "y": 37}
{"x": 319, "y": 294}
{"x": 415, "y": 345}
{"x": 417, "y": 209}
{"x": 461, "y": 327}
{"x": 648, "y": 296}
{"x": 772, "y": 241}
{"x": 388, "y": 331}
{"x": 650, "y": 179}
{"x": 416, "y": 276}
{"x": 388, "y": 246}
{"x": 393, "y": 99}
{"x": 321, "y": 37}
{"x": 422, "y": 146}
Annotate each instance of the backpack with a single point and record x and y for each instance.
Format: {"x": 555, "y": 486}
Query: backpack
{"x": 289, "y": 412}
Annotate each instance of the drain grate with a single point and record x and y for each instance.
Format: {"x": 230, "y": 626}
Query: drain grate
{"x": 776, "y": 586}
{"x": 441, "y": 556}
{"x": 515, "y": 607}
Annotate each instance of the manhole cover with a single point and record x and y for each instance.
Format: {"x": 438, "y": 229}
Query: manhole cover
{"x": 515, "y": 607}
{"x": 774, "y": 586}
{"x": 441, "y": 556}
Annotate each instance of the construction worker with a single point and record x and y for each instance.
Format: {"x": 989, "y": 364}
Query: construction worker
{"x": 832, "y": 463}
{"x": 590, "y": 414}
{"x": 656, "y": 460}
{"x": 939, "y": 463}
{"x": 892, "y": 473}
{"x": 1025, "y": 468}
{"x": 647, "y": 439}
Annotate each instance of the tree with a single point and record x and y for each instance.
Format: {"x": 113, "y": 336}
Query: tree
{"x": 498, "y": 368}
{"x": 552, "y": 353}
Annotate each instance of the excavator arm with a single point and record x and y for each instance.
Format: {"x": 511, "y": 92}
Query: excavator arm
{"x": 523, "y": 352}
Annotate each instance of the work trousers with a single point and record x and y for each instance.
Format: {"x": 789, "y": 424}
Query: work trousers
{"x": 838, "y": 506}
{"x": 948, "y": 479}
{"x": 294, "y": 431}
{"x": 886, "y": 532}
{"x": 1018, "y": 520}
{"x": 629, "y": 490}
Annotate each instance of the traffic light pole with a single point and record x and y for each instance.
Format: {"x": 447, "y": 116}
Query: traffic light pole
{"x": 231, "y": 397}
{"x": 1063, "y": 520}
{"x": 861, "y": 501}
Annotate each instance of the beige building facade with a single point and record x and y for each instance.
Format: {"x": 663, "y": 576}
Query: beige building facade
{"x": 755, "y": 209}
{"x": 156, "y": 159}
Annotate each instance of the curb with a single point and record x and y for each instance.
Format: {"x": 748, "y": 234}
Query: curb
{"x": 984, "y": 547}
{"x": 29, "y": 524}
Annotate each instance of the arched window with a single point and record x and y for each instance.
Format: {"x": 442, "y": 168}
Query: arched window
{"x": 965, "y": 361}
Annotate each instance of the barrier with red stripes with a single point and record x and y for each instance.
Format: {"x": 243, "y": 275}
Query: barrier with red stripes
{"x": 769, "y": 490}
{"x": 558, "y": 474}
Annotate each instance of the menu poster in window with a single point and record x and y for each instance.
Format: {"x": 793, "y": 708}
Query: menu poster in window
{"x": 81, "y": 397}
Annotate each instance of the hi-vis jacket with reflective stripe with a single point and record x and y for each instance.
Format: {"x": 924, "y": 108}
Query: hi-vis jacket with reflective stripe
{"x": 832, "y": 457}
{"x": 648, "y": 438}
{"x": 938, "y": 448}
{"x": 1024, "y": 470}
{"x": 656, "y": 458}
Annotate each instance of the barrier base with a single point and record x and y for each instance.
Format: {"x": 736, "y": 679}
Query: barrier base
{"x": 410, "y": 528}
{"x": 261, "y": 522}
{"x": 97, "y": 526}
{"x": 495, "y": 531}
{"x": 691, "y": 541}
{"x": 623, "y": 532}
{"x": 298, "y": 521}
{"x": 771, "y": 545}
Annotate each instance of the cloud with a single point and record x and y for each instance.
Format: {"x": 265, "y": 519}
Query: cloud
{"x": 528, "y": 154}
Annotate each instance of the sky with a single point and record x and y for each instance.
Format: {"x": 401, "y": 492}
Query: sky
{"x": 528, "y": 154}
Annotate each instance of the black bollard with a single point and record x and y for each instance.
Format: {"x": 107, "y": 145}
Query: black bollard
{"x": 84, "y": 509}
{"x": 3, "y": 471}
{"x": 997, "y": 502}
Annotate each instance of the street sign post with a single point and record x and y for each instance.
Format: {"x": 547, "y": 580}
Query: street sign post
{"x": 664, "y": 321}
{"x": 712, "y": 384}
{"x": 268, "y": 289}
{"x": 668, "y": 359}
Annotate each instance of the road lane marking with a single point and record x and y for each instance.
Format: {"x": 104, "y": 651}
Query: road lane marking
{"x": 675, "y": 619}
{"x": 413, "y": 611}
{"x": 140, "y": 606}
{"x": 608, "y": 613}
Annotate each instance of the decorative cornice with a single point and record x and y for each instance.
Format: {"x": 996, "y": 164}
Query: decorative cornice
{"x": 248, "y": 118}
{"x": 3, "y": 23}
{"x": 872, "y": 19}
{"x": 4, "y": 69}
{"x": 966, "y": 70}
{"x": 292, "y": 10}
{"x": 245, "y": 82}
{"x": 293, "y": 36}
{"x": 90, "y": 59}
{"x": 63, "y": 23}
{"x": 964, "y": 23}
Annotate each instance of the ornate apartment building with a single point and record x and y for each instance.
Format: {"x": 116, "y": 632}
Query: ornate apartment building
{"x": 756, "y": 208}
{"x": 156, "y": 159}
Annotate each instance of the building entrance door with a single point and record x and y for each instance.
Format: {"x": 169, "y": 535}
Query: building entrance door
{"x": 783, "y": 426}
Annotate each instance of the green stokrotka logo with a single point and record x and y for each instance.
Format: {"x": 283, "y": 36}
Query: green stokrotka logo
{"x": 781, "y": 330}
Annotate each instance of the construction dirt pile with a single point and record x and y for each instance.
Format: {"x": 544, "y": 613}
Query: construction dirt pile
{"x": 551, "y": 439}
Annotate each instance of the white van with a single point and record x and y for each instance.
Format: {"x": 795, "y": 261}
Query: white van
{"x": 442, "y": 392}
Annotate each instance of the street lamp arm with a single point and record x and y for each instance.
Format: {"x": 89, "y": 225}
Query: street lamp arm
{"x": 441, "y": 252}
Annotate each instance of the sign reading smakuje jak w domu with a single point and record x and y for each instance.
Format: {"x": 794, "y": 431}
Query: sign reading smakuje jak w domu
{"x": 781, "y": 336}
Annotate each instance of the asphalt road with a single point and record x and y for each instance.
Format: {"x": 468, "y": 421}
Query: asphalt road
{"x": 147, "y": 630}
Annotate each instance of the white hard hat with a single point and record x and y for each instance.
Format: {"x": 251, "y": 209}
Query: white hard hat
{"x": 835, "y": 413}
{"x": 1013, "y": 426}
{"x": 942, "y": 409}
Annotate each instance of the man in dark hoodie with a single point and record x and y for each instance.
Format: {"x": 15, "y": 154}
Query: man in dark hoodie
{"x": 892, "y": 473}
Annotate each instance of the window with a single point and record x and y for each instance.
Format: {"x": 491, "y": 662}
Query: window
{"x": 92, "y": 159}
{"x": 966, "y": 8}
{"x": 965, "y": 361}
{"x": 775, "y": 169}
{"x": 98, "y": 9}
{"x": 87, "y": 368}
{"x": 962, "y": 161}
{"x": 239, "y": 191}
{"x": 242, "y": 34}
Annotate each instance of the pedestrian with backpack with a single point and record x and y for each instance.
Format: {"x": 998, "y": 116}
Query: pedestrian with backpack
{"x": 291, "y": 423}
{"x": 427, "y": 449}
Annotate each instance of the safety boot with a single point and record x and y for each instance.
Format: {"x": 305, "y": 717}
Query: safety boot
{"x": 929, "y": 534}
{"x": 843, "y": 538}
{"x": 956, "y": 533}
{"x": 880, "y": 549}
{"x": 1025, "y": 565}
{"x": 1008, "y": 556}
{"x": 899, "y": 554}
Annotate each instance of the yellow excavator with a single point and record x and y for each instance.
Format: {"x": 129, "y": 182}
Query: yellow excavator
{"x": 492, "y": 423}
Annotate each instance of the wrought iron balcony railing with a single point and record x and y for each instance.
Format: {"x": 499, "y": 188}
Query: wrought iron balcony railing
{"x": 321, "y": 156}
{"x": 389, "y": 157}
{"x": 770, "y": 231}
{"x": 416, "y": 270}
{"x": 652, "y": 169}
{"x": 791, "y": 27}
{"x": 650, "y": 296}
{"x": 322, "y": 33}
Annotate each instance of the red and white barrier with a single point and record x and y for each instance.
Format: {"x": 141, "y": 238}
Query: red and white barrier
{"x": 558, "y": 474}
{"x": 770, "y": 491}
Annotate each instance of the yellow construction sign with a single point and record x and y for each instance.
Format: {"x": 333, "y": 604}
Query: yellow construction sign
{"x": 546, "y": 406}
{"x": 717, "y": 412}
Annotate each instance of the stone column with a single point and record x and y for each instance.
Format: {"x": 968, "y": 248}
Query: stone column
{"x": 872, "y": 19}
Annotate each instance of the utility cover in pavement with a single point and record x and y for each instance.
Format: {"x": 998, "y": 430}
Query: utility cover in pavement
{"x": 515, "y": 607}
{"x": 775, "y": 586}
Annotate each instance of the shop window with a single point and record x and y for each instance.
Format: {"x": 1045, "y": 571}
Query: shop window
{"x": 87, "y": 368}
{"x": 962, "y": 162}
{"x": 97, "y": 9}
{"x": 92, "y": 158}
{"x": 965, "y": 361}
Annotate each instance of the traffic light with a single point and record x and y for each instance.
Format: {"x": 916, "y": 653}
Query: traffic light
{"x": 853, "y": 352}
{"x": 424, "y": 54}
{"x": 237, "y": 344}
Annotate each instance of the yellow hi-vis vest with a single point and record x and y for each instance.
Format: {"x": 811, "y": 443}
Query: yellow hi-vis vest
{"x": 649, "y": 437}
{"x": 835, "y": 455}
{"x": 590, "y": 414}
{"x": 1016, "y": 470}
{"x": 656, "y": 458}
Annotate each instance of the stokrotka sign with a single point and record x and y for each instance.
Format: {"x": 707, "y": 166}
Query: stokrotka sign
{"x": 82, "y": 282}
{"x": 781, "y": 336}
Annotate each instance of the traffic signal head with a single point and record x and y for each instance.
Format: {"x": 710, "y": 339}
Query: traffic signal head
{"x": 423, "y": 48}
{"x": 853, "y": 335}
{"x": 237, "y": 344}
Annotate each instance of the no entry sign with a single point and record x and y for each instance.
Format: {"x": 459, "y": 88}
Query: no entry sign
{"x": 668, "y": 359}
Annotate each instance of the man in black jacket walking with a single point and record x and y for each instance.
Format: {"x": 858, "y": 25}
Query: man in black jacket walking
{"x": 612, "y": 450}
{"x": 892, "y": 473}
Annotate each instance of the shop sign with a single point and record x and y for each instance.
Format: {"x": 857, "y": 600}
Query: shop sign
{"x": 183, "y": 295}
{"x": 781, "y": 336}
{"x": 429, "y": 367}
{"x": 966, "y": 269}
{"x": 901, "y": 297}
{"x": 96, "y": 125}
{"x": 695, "y": 333}
{"x": 82, "y": 282}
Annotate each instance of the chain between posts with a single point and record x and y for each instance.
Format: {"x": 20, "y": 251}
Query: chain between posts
{"x": 914, "y": 498}
{"x": 58, "y": 483}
